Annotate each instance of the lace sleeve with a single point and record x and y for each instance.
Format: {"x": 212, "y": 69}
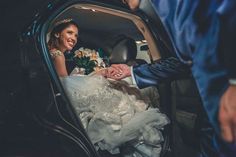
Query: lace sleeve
{"x": 56, "y": 53}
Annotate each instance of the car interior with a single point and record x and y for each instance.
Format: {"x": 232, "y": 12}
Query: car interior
{"x": 126, "y": 39}
{"x": 121, "y": 37}
{"x": 99, "y": 25}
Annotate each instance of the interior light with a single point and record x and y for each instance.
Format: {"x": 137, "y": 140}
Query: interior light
{"x": 85, "y": 8}
{"x": 144, "y": 41}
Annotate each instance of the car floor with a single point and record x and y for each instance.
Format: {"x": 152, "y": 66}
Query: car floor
{"x": 181, "y": 148}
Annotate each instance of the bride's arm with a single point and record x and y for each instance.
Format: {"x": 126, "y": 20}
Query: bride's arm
{"x": 102, "y": 72}
{"x": 60, "y": 65}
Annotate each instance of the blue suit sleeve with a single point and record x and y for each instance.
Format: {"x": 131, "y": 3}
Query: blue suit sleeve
{"x": 164, "y": 70}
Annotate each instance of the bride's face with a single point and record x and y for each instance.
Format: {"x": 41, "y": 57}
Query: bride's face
{"x": 68, "y": 38}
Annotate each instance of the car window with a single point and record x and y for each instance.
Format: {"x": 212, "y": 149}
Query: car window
{"x": 143, "y": 51}
{"x": 110, "y": 109}
{"x": 99, "y": 26}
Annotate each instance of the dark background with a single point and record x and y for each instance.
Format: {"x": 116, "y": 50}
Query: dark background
{"x": 15, "y": 15}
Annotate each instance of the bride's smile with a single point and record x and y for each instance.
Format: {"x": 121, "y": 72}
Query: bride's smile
{"x": 68, "y": 38}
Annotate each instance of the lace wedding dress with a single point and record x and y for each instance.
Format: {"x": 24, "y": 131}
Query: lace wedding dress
{"x": 114, "y": 119}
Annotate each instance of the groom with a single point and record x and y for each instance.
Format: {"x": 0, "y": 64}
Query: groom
{"x": 203, "y": 31}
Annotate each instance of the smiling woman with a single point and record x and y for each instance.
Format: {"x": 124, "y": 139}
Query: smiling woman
{"x": 62, "y": 38}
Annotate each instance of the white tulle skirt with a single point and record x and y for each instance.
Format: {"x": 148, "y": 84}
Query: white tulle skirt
{"x": 114, "y": 119}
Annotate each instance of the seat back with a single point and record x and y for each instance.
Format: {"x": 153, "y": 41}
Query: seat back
{"x": 124, "y": 51}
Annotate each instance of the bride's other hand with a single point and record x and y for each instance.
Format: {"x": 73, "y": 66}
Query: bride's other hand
{"x": 107, "y": 72}
{"x": 111, "y": 71}
{"x": 102, "y": 72}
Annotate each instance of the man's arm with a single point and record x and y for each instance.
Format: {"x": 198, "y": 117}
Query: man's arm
{"x": 152, "y": 74}
{"x": 164, "y": 70}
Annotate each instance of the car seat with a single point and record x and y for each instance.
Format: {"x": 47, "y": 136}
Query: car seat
{"x": 124, "y": 51}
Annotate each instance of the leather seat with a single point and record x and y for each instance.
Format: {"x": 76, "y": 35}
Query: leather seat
{"x": 124, "y": 51}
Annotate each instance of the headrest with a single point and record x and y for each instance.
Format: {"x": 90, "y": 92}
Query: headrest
{"x": 123, "y": 51}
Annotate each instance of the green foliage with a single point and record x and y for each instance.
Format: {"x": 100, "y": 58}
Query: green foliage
{"x": 86, "y": 63}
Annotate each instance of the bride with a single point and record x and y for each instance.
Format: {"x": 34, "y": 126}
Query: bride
{"x": 113, "y": 114}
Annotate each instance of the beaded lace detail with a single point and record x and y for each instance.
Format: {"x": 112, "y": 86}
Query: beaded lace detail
{"x": 113, "y": 118}
{"x": 56, "y": 53}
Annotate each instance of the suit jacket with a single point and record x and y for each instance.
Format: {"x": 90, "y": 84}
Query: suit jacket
{"x": 203, "y": 32}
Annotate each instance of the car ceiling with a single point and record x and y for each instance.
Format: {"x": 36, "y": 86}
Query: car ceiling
{"x": 96, "y": 26}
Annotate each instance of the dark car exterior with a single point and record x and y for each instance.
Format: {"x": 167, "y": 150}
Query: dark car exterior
{"x": 36, "y": 117}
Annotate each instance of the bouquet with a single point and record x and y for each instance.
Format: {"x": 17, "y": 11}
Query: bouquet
{"x": 88, "y": 60}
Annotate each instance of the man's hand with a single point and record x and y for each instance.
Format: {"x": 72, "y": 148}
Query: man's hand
{"x": 119, "y": 71}
{"x": 227, "y": 114}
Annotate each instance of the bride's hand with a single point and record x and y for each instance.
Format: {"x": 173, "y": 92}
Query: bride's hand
{"x": 119, "y": 71}
{"x": 116, "y": 71}
{"x": 111, "y": 72}
{"x": 102, "y": 72}
{"x": 107, "y": 72}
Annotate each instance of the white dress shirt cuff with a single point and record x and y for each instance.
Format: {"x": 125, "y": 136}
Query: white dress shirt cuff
{"x": 232, "y": 81}
{"x": 132, "y": 76}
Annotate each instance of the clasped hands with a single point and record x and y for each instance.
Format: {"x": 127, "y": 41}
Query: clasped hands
{"x": 115, "y": 71}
